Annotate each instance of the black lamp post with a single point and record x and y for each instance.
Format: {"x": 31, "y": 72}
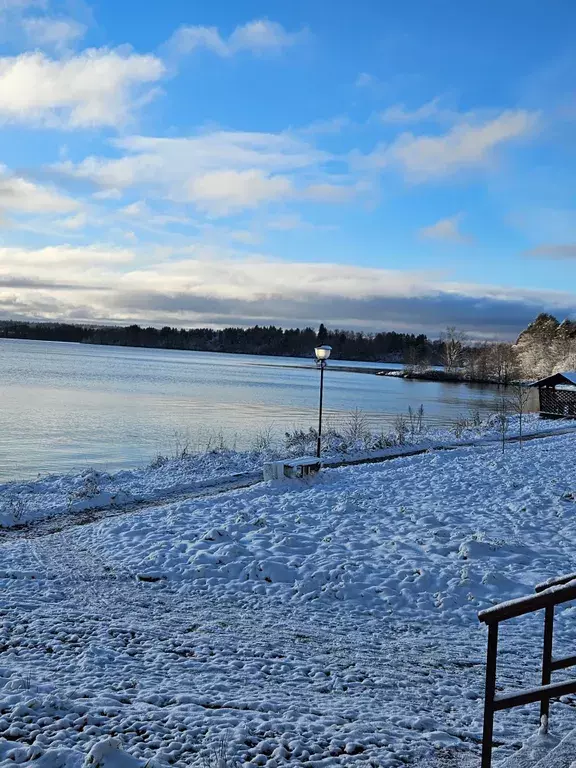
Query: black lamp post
{"x": 322, "y": 354}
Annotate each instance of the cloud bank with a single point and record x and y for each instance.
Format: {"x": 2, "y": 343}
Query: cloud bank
{"x": 198, "y": 288}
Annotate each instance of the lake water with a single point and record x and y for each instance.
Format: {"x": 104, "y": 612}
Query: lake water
{"x": 71, "y": 406}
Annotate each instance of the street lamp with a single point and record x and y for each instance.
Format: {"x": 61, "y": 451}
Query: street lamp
{"x": 322, "y": 354}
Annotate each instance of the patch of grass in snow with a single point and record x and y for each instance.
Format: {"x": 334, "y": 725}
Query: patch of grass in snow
{"x": 218, "y": 755}
{"x": 88, "y": 490}
{"x": 184, "y": 445}
{"x": 14, "y": 510}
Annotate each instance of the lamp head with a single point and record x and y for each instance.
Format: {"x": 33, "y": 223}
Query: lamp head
{"x": 323, "y": 352}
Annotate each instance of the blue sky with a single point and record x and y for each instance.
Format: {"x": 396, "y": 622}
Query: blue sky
{"x": 368, "y": 165}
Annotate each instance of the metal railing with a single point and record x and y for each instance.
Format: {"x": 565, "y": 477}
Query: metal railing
{"x": 548, "y": 595}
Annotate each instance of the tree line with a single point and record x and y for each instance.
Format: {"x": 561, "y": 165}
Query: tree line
{"x": 546, "y": 346}
{"x": 258, "y": 340}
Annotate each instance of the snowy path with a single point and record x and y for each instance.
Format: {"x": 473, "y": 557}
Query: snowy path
{"x": 334, "y": 620}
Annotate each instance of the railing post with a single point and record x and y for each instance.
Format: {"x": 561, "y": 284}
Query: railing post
{"x": 547, "y": 658}
{"x": 490, "y": 693}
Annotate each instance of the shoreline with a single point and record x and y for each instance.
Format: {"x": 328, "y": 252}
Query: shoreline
{"x": 375, "y": 368}
{"x": 442, "y": 376}
{"x": 397, "y": 373}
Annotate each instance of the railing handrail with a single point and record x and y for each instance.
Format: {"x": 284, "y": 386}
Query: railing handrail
{"x": 548, "y": 596}
{"x": 555, "y": 582}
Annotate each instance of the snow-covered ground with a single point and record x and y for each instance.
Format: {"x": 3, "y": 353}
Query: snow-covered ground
{"x": 53, "y": 495}
{"x": 326, "y": 622}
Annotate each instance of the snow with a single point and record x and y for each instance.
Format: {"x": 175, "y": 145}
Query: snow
{"x": 330, "y": 621}
{"x": 166, "y": 479}
{"x": 109, "y": 754}
{"x": 568, "y": 375}
{"x": 29, "y": 501}
{"x": 535, "y": 749}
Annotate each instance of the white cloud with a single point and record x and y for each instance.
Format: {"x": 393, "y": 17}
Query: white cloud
{"x": 99, "y": 87}
{"x": 429, "y": 112}
{"x": 246, "y": 237}
{"x": 18, "y": 195}
{"x": 329, "y": 193}
{"x": 107, "y": 194}
{"x": 224, "y": 192}
{"x": 173, "y": 162}
{"x": 188, "y": 38}
{"x": 66, "y": 256}
{"x": 53, "y": 33}
{"x": 137, "y": 209}
{"x": 74, "y": 222}
{"x": 260, "y": 36}
{"x": 332, "y": 125}
{"x": 18, "y": 5}
{"x": 446, "y": 230}
{"x": 220, "y": 173}
{"x": 205, "y": 285}
{"x": 287, "y": 222}
{"x": 466, "y": 145}
{"x": 365, "y": 80}
{"x": 553, "y": 251}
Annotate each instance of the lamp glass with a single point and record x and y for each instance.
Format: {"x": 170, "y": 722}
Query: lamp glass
{"x": 322, "y": 353}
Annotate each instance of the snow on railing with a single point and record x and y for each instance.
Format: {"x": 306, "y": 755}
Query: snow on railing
{"x": 548, "y": 595}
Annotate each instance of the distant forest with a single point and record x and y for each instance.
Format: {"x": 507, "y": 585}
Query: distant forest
{"x": 259, "y": 340}
{"x": 545, "y": 346}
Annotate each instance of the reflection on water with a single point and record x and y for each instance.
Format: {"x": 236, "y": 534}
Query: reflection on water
{"x": 68, "y": 406}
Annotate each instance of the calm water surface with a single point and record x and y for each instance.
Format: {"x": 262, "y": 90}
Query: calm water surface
{"x": 69, "y": 406}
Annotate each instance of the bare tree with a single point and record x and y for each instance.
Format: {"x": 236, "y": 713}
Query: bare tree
{"x": 501, "y": 413}
{"x": 453, "y": 348}
{"x": 518, "y": 401}
{"x": 416, "y": 359}
{"x": 503, "y": 362}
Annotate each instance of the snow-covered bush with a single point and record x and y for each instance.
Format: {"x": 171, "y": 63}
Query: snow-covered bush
{"x": 264, "y": 440}
{"x": 158, "y": 461}
{"x": 109, "y": 754}
{"x": 475, "y": 418}
{"x": 218, "y": 755}
{"x": 356, "y": 428}
{"x": 459, "y": 426}
{"x": 400, "y": 429}
{"x": 416, "y": 425}
{"x": 89, "y": 488}
{"x": 13, "y": 510}
{"x": 300, "y": 440}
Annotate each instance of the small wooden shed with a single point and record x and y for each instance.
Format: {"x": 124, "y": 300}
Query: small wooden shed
{"x": 557, "y": 395}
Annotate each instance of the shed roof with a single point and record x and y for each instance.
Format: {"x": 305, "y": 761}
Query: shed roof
{"x": 567, "y": 377}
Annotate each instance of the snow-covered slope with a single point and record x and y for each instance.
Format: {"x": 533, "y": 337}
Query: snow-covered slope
{"x": 329, "y": 622}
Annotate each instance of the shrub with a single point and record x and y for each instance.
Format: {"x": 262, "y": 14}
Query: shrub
{"x": 264, "y": 440}
{"x": 400, "y": 429}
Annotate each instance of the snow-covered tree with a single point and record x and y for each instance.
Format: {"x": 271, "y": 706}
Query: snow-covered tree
{"x": 453, "y": 348}
{"x": 547, "y": 347}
